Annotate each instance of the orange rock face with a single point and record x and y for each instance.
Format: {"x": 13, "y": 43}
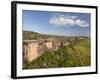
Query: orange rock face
{"x": 35, "y": 48}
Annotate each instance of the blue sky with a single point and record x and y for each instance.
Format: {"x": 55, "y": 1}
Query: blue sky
{"x": 57, "y": 23}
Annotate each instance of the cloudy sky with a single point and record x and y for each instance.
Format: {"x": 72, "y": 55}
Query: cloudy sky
{"x": 57, "y": 23}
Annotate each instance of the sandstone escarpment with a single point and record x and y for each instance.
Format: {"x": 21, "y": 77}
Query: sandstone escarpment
{"x": 35, "y": 48}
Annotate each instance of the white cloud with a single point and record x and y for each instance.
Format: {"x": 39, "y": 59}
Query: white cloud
{"x": 61, "y": 20}
{"x": 81, "y": 23}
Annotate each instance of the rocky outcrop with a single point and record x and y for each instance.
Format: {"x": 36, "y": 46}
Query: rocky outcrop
{"x": 35, "y": 48}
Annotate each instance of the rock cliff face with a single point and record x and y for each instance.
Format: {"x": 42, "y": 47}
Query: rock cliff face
{"x": 35, "y": 48}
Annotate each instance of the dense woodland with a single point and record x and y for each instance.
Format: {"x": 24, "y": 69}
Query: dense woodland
{"x": 74, "y": 55}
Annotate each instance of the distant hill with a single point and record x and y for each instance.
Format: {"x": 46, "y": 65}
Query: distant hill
{"x": 28, "y": 35}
